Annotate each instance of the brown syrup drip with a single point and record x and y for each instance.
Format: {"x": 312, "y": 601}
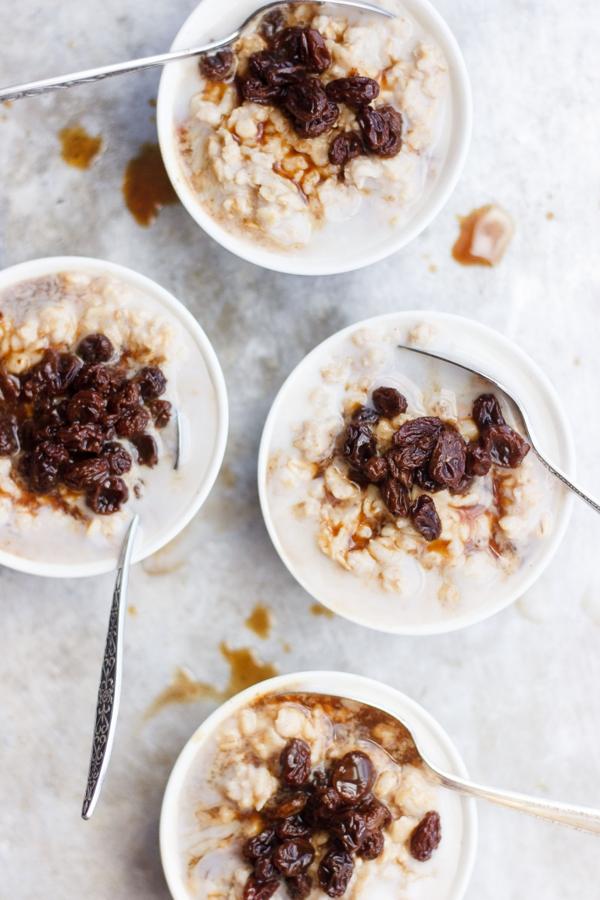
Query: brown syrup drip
{"x": 78, "y": 148}
{"x": 146, "y": 186}
{"x": 260, "y": 621}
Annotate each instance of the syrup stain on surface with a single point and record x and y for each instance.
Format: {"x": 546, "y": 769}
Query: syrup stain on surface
{"x": 260, "y": 621}
{"x": 318, "y": 610}
{"x": 146, "y": 185}
{"x": 483, "y": 237}
{"x": 132, "y": 610}
{"x": 78, "y": 148}
{"x": 183, "y": 689}
{"x": 246, "y": 669}
{"x": 550, "y": 216}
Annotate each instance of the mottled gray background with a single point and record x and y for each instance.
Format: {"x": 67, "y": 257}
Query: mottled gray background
{"x": 519, "y": 694}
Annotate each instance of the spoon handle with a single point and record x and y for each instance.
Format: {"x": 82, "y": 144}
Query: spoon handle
{"x": 109, "y": 690}
{"x": 580, "y": 817}
{"x": 566, "y": 481}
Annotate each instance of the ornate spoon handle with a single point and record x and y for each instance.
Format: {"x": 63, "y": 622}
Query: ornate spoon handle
{"x": 109, "y": 691}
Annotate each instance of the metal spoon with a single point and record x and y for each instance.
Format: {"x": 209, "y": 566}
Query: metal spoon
{"x": 44, "y": 85}
{"x": 109, "y": 690}
{"x": 580, "y": 817}
{"x": 595, "y": 504}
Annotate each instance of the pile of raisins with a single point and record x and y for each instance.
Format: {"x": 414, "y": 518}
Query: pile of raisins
{"x": 337, "y": 802}
{"x": 286, "y": 75}
{"x": 63, "y": 421}
{"x": 428, "y": 454}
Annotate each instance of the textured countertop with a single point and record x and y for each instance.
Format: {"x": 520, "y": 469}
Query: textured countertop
{"x": 519, "y": 694}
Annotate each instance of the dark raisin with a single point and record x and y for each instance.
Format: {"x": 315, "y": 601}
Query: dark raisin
{"x": 359, "y": 445}
{"x": 335, "y": 871}
{"x": 346, "y": 146}
{"x": 43, "y": 379}
{"x": 260, "y": 846}
{"x": 449, "y": 457}
{"x": 152, "y": 382}
{"x": 425, "y": 519}
{"x": 293, "y": 857}
{"x": 394, "y": 460}
{"x": 376, "y": 813}
{"x": 381, "y": 129}
{"x": 506, "y": 448}
{"x": 376, "y": 468}
{"x": 292, "y": 827}
{"x": 146, "y": 449}
{"x": 305, "y": 46}
{"x": 95, "y": 348}
{"x": 295, "y": 763}
{"x": 271, "y": 24}
{"x": 264, "y": 870}
{"x": 87, "y": 472}
{"x": 306, "y": 100}
{"x": 10, "y": 387}
{"x": 426, "y": 837}
{"x": 9, "y": 440}
{"x": 286, "y": 804}
{"x": 487, "y": 411}
{"x": 319, "y": 125}
{"x": 128, "y": 396}
{"x": 415, "y": 441}
{"x": 365, "y": 415}
{"x": 463, "y": 487}
{"x": 255, "y": 91}
{"x": 372, "y": 846}
{"x": 350, "y": 828}
{"x": 101, "y": 378}
{"x": 389, "y": 402}
{"x": 161, "y": 412}
{"x": 108, "y": 496}
{"x": 47, "y": 461}
{"x": 395, "y": 496}
{"x": 479, "y": 460}
{"x": 299, "y": 887}
{"x": 218, "y": 66}
{"x": 352, "y": 776}
{"x": 423, "y": 479}
{"x": 83, "y": 438}
{"x": 274, "y": 71}
{"x": 86, "y": 406}
{"x": 323, "y": 806}
{"x": 355, "y": 91}
{"x": 117, "y": 457}
{"x": 133, "y": 422}
{"x": 253, "y": 890}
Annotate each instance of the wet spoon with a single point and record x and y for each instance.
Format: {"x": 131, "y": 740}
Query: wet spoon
{"x": 579, "y": 817}
{"x": 44, "y": 85}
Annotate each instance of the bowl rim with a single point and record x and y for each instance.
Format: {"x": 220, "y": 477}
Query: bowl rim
{"x": 461, "y": 131}
{"x": 345, "y": 684}
{"x": 45, "y": 265}
{"x": 480, "y": 614}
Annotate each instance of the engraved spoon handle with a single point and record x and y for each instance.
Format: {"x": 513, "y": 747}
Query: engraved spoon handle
{"x": 583, "y": 495}
{"x": 109, "y": 690}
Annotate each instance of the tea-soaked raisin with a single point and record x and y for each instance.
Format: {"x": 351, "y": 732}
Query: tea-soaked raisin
{"x": 10, "y": 387}
{"x": 118, "y": 459}
{"x": 449, "y": 457}
{"x": 99, "y": 377}
{"x": 299, "y": 887}
{"x": 272, "y": 23}
{"x": 487, "y": 411}
{"x": 346, "y": 146}
{"x": 261, "y": 845}
{"x": 256, "y": 91}
{"x": 479, "y": 460}
{"x": 398, "y": 472}
{"x": 350, "y": 828}
{"x": 264, "y": 870}
{"x": 463, "y": 487}
{"x": 133, "y": 421}
{"x": 303, "y": 45}
{"x": 81, "y": 475}
{"x": 108, "y": 496}
{"x": 335, "y": 871}
{"x": 426, "y": 837}
{"x": 319, "y": 125}
{"x": 506, "y": 448}
{"x": 43, "y": 379}
{"x": 322, "y": 807}
{"x": 415, "y": 440}
{"x": 381, "y": 129}
{"x": 365, "y": 415}
{"x": 86, "y": 406}
{"x": 359, "y": 445}
{"x": 306, "y": 100}
{"x": 95, "y": 348}
{"x": 355, "y": 91}
{"x": 9, "y": 440}
{"x": 83, "y": 438}
{"x": 161, "y": 412}
{"x": 423, "y": 479}
{"x": 128, "y": 396}
{"x": 376, "y": 813}
{"x": 146, "y": 449}
{"x": 372, "y": 846}
{"x": 274, "y": 71}
{"x": 293, "y": 857}
{"x": 389, "y": 402}
{"x": 352, "y": 776}
{"x": 152, "y": 382}
{"x": 285, "y": 804}
{"x": 292, "y": 827}
{"x": 425, "y": 519}
{"x": 376, "y": 469}
{"x": 253, "y": 890}
{"x": 295, "y": 763}
{"x": 218, "y": 66}
{"x": 47, "y": 461}
{"x": 395, "y": 496}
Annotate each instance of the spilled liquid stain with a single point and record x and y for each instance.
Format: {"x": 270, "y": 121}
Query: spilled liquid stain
{"x": 78, "y": 148}
{"x": 132, "y": 610}
{"x": 146, "y": 185}
{"x": 260, "y": 621}
{"x": 550, "y": 216}
{"x": 245, "y": 669}
{"x": 318, "y": 610}
{"x": 183, "y": 689}
{"x": 483, "y": 237}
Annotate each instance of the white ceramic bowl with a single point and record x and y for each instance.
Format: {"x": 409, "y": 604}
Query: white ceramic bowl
{"x": 429, "y": 734}
{"x": 213, "y": 19}
{"x": 211, "y": 404}
{"x": 482, "y": 348}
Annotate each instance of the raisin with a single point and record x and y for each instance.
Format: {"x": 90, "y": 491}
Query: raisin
{"x": 46, "y": 463}
{"x": 300, "y": 886}
{"x": 295, "y": 763}
{"x": 389, "y": 402}
{"x": 10, "y": 387}
{"x": 376, "y": 468}
{"x": 506, "y": 448}
{"x": 293, "y": 857}
{"x": 463, "y": 487}
{"x": 118, "y": 459}
{"x": 43, "y": 379}
{"x": 356, "y": 91}
{"x": 352, "y": 776}
{"x": 146, "y": 449}
{"x": 359, "y": 445}
{"x": 397, "y": 471}
{"x": 365, "y": 415}
{"x": 107, "y": 497}
{"x": 449, "y": 457}
{"x": 95, "y": 348}
{"x": 264, "y": 870}
{"x": 381, "y": 129}
{"x": 271, "y": 24}
{"x": 345, "y": 147}
{"x": 395, "y": 496}
{"x": 85, "y": 473}
{"x": 479, "y": 460}
{"x": 425, "y": 519}
{"x": 9, "y": 440}
{"x": 101, "y": 378}
{"x": 415, "y": 441}
{"x": 255, "y": 91}
{"x": 319, "y": 125}
{"x": 83, "y": 438}
{"x": 305, "y": 46}
{"x": 274, "y": 71}
{"x": 152, "y": 382}
{"x": 218, "y": 66}
{"x": 133, "y": 422}
{"x": 335, "y": 871}
{"x": 86, "y": 406}
{"x": 350, "y": 828}
{"x": 306, "y": 100}
{"x": 260, "y": 846}
{"x": 487, "y": 411}
{"x": 292, "y": 827}
{"x": 376, "y": 813}
{"x": 161, "y": 412}
{"x": 128, "y": 396}
{"x": 372, "y": 846}
{"x": 69, "y": 367}
{"x": 253, "y": 890}
{"x": 286, "y": 804}
{"x": 426, "y": 837}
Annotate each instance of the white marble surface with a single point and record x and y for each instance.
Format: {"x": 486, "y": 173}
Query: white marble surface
{"x": 519, "y": 694}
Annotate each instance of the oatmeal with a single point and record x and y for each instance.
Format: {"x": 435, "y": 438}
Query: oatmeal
{"x": 404, "y": 484}
{"x": 306, "y": 796}
{"x": 314, "y": 120}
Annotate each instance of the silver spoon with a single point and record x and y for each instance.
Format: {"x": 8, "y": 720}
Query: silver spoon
{"x": 109, "y": 689}
{"x": 44, "y": 85}
{"x": 595, "y": 504}
{"x": 580, "y": 817}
